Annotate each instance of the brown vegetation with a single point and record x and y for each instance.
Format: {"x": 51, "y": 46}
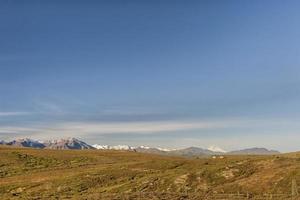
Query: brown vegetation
{"x": 93, "y": 174}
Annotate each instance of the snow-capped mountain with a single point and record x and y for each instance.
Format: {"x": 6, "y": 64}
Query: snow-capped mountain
{"x": 122, "y": 147}
{"x": 144, "y": 147}
{"x": 216, "y": 149}
{"x": 73, "y": 143}
{"x": 98, "y": 146}
{"x": 126, "y": 147}
{"x": 69, "y": 143}
{"x": 164, "y": 149}
{"x": 26, "y": 142}
{"x": 116, "y": 147}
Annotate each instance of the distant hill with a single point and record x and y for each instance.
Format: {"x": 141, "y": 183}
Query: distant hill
{"x": 254, "y": 151}
{"x": 189, "y": 152}
{"x": 193, "y": 151}
{"x": 73, "y": 143}
{"x": 144, "y": 149}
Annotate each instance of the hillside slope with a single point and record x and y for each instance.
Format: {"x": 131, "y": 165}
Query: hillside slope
{"x": 27, "y": 173}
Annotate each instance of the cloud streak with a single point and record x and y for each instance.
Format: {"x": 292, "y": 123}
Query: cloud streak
{"x": 138, "y": 129}
{"x": 245, "y": 128}
{"x": 142, "y": 127}
{"x": 93, "y": 128}
{"x": 4, "y": 114}
{"x": 86, "y": 128}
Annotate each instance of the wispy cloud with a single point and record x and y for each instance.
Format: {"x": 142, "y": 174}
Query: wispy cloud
{"x": 85, "y": 129}
{"x": 14, "y": 113}
{"x": 93, "y": 128}
{"x": 249, "y": 131}
{"x": 141, "y": 127}
{"x": 18, "y": 130}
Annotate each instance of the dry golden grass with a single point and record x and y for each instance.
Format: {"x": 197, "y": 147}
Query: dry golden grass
{"x": 94, "y": 174}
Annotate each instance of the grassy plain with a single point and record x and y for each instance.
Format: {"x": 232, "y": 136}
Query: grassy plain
{"x": 94, "y": 174}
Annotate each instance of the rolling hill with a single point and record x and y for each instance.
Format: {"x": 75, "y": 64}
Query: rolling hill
{"x": 27, "y": 173}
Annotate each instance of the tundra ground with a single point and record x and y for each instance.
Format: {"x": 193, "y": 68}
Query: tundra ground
{"x": 94, "y": 174}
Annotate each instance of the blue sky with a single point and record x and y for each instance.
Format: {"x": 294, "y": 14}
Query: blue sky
{"x": 158, "y": 73}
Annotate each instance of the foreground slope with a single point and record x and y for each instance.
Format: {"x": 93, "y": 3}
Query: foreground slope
{"x": 94, "y": 174}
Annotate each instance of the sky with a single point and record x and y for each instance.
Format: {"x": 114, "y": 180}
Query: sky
{"x": 163, "y": 73}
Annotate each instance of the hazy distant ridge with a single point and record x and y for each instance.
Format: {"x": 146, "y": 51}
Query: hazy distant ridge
{"x": 73, "y": 143}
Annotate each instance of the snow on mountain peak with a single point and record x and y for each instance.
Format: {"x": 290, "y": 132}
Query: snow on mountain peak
{"x": 98, "y": 146}
{"x": 144, "y": 147}
{"x": 216, "y": 149}
{"x": 122, "y": 147}
{"x": 116, "y": 147}
{"x": 26, "y": 140}
{"x": 164, "y": 149}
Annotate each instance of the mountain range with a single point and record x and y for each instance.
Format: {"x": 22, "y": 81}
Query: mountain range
{"x": 69, "y": 143}
{"x": 73, "y": 143}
